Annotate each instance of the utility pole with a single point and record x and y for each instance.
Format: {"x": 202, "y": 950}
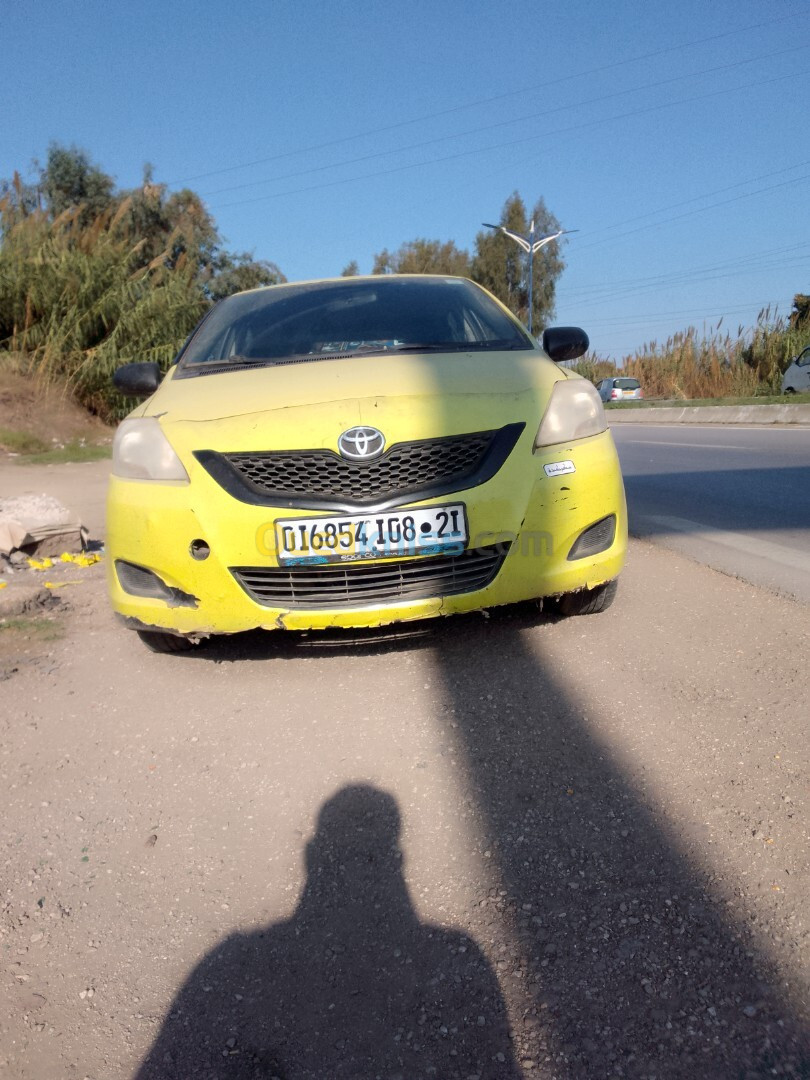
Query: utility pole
{"x": 531, "y": 247}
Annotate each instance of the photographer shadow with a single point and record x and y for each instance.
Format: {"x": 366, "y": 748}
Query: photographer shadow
{"x": 352, "y": 985}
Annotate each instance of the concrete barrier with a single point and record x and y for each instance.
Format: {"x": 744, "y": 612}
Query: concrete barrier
{"x": 712, "y": 414}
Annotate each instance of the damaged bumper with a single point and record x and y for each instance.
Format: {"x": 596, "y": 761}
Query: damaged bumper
{"x": 186, "y": 541}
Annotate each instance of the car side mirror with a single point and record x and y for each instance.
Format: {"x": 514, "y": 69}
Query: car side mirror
{"x": 137, "y": 380}
{"x": 565, "y": 342}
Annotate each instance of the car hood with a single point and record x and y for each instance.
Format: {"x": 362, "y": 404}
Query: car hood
{"x": 310, "y": 404}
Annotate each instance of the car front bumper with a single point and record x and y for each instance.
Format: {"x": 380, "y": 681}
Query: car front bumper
{"x": 538, "y": 516}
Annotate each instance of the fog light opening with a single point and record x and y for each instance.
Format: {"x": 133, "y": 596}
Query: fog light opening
{"x": 199, "y": 550}
{"x": 138, "y": 581}
{"x": 597, "y": 537}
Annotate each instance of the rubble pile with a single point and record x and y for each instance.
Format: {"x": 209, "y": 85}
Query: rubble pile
{"x": 38, "y": 525}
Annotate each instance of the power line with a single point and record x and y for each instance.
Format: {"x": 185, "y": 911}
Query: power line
{"x": 700, "y": 210}
{"x": 697, "y": 314}
{"x": 332, "y": 165}
{"x": 667, "y": 284}
{"x": 482, "y": 101}
{"x": 686, "y": 202}
{"x": 606, "y": 342}
{"x": 685, "y": 280}
{"x": 658, "y": 326}
{"x": 757, "y": 256}
{"x": 504, "y": 145}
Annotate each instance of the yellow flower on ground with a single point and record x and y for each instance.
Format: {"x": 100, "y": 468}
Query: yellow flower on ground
{"x": 40, "y": 564}
{"x": 84, "y": 559}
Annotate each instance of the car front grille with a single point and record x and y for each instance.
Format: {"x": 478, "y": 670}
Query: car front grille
{"x": 406, "y": 466}
{"x": 362, "y": 584}
{"x": 322, "y": 479}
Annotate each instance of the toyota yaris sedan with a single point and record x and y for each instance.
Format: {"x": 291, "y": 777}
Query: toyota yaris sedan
{"x": 358, "y": 452}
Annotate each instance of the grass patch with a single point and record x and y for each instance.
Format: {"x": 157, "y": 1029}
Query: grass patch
{"x": 42, "y": 628}
{"x": 29, "y": 449}
{"x": 72, "y": 451}
{"x": 21, "y": 442}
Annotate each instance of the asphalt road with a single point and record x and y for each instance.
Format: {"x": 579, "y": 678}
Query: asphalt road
{"x": 734, "y": 498}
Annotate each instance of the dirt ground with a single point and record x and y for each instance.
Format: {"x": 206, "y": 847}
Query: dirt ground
{"x": 49, "y": 414}
{"x": 504, "y": 846}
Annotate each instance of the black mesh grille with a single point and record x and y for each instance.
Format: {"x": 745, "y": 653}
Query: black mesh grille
{"x": 596, "y": 538}
{"x": 371, "y": 583}
{"x": 406, "y": 467}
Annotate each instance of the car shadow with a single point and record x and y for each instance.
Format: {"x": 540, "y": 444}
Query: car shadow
{"x": 352, "y": 985}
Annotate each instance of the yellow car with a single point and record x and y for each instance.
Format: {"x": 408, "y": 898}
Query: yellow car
{"x": 357, "y": 452}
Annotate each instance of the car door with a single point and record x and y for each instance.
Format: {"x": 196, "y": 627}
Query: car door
{"x": 802, "y": 380}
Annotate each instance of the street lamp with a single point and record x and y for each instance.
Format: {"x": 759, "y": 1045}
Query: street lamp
{"x": 531, "y": 247}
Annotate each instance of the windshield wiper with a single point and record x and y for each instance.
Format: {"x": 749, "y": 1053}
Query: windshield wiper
{"x": 227, "y": 361}
{"x": 458, "y": 346}
{"x": 428, "y": 346}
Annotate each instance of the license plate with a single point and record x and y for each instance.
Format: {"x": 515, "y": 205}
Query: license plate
{"x": 352, "y": 537}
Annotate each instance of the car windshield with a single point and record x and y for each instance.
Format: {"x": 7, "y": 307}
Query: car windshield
{"x": 626, "y": 384}
{"x": 338, "y": 318}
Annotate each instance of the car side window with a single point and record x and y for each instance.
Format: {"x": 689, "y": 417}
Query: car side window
{"x": 803, "y": 360}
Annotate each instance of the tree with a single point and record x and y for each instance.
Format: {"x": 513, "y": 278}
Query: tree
{"x": 70, "y": 179}
{"x": 172, "y": 226}
{"x": 92, "y": 277}
{"x": 501, "y": 266}
{"x": 424, "y": 257}
{"x": 236, "y": 273}
{"x": 383, "y": 262}
{"x": 176, "y": 230}
{"x": 800, "y": 316}
{"x": 350, "y": 269}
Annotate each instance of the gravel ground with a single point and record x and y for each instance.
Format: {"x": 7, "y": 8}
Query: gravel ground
{"x": 482, "y": 847}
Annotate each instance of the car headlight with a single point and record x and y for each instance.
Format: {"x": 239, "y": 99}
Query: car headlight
{"x": 574, "y": 412}
{"x": 142, "y": 452}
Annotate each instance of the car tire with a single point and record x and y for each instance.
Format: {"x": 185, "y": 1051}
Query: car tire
{"x": 166, "y": 643}
{"x": 588, "y": 601}
{"x": 789, "y": 390}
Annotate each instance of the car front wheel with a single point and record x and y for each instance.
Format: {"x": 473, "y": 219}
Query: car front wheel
{"x": 588, "y": 601}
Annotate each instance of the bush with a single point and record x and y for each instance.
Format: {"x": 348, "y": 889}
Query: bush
{"x": 87, "y": 286}
{"x": 75, "y": 303}
{"x": 714, "y": 365}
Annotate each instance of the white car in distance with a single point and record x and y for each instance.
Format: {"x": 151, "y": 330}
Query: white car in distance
{"x": 796, "y": 379}
{"x": 619, "y": 389}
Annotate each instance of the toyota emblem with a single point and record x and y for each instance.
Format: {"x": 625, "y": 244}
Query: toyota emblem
{"x": 361, "y": 443}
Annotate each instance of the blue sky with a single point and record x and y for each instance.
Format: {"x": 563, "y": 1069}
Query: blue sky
{"x": 674, "y": 137}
